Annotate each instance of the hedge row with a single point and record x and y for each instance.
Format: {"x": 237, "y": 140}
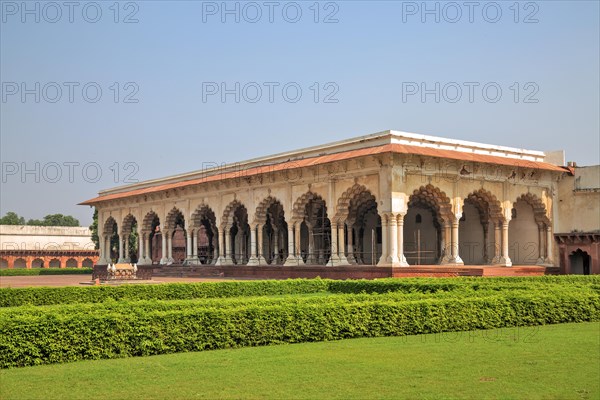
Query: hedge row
{"x": 52, "y": 338}
{"x": 11, "y": 297}
{"x": 45, "y": 271}
{"x": 126, "y": 306}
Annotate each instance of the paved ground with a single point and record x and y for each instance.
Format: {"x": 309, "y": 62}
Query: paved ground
{"x": 76, "y": 280}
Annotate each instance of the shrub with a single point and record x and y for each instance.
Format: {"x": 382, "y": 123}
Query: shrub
{"x": 45, "y": 271}
{"x": 59, "y": 336}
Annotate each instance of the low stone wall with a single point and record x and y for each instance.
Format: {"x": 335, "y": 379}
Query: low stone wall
{"x": 144, "y": 272}
{"x": 347, "y": 272}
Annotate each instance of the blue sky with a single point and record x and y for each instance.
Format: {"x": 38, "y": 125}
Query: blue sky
{"x": 361, "y": 69}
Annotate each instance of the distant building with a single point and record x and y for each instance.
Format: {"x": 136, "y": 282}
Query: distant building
{"x": 577, "y": 228}
{"x": 24, "y": 246}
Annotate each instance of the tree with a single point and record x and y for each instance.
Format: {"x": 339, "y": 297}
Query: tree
{"x": 60, "y": 220}
{"x": 94, "y": 229}
{"x": 11, "y": 218}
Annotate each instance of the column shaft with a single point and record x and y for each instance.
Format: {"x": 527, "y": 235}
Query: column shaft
{"x": 299, "y": 259}
{"x": 541, "y": 240}
{"x": 148, "y": 249}
{"x": 400, "y": 227}
{"x": 140, "y": 248}
{"x": 505, "y": 259}
{"x": 393, "y": 240}
{"x": 455, "y": 257}
{"x": 164, "y": 259}
{"x": 342, "y": 245}
{"x": 260, "y": 243}
{"x": 291, "y": 258}
{"x": 549, "y": 244}
{"x": 253, "y": 259}
{"x": 195, "y": 245}
{"x": 120, "y": 249}
{"x": 384, "y": 242}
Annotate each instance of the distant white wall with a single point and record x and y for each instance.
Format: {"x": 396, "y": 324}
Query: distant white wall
{"x": 25, "y": 237}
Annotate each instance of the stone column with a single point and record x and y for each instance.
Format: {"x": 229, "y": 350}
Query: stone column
{"x": 148, "y": 253}
{"x": 342, "y": 246}
{"x": 229, "y": 246}
{"x": 253, "y": 260}
{"x": 191, "y": 247}
{"x": 486, "y": 257}
{"x": 384, "y": 242}
{"x": 261, "y": 248}
{"x": 164, "y": 259}
{"x": 299, "y": 260}
{"x": 291, "y": 258}
{"x": 223, "y": 246}
{"x": 549, "y": 243}
{"x": 455, "y": 257}
{"x": 541, "y": 240}
{"x": 108, "y": 249}
{"x": 170, "y": 248}
{"x": 350, "y": 257}
{"x": 195, "y": 245}
{"x": 126, "y": 250}
{"x": 140, "y": 248}
{"x": 393, "y": 240}
{"x": 121, "y": 260}
{"x": 311, "y": 256}
{"x": 334, "y": 259}
{"x": 401, "y": 257}
{"x": 497, "y": 242}
{"x": 102, "y": 247}
{"x": 504, "y": 258}
{"x": 446, "y": 243}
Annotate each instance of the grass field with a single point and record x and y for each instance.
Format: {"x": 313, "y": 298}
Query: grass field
{"x": 544, "y": 362}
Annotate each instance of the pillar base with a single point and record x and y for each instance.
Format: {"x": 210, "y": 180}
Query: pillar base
{"x": 393, "y": 261}
{"x": 456, "y": 261}
{"x": 403, "y": 262}
{"x": 293, "y": 261}
{"x": 344, "y": 261}
{"x": 334, "y": 260}
{"x": 548, "y": 262}
{"x": 224, "y": 261}
{"x": 145, "y": 261}
{"x": 191, "y": 261}
{"x": 253, "y": 260}
{"x": 505, "y": 261}
{"x": 122, "y": 261}
{"x": 383, "y": 262}
{"x": 103, "y": 261}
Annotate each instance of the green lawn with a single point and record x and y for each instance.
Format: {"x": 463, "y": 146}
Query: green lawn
{"x": 545, "y": 362}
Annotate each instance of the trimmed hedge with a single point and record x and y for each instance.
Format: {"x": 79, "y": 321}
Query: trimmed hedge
{"x": 12, "y": 297}
{"x": 46, "y": 271}
{"x": 53, "y": 336}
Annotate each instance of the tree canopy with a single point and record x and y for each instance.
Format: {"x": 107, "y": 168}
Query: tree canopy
{"x": 12, "y": 218}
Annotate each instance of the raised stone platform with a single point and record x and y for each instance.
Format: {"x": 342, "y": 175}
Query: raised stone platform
{"x": 347, "y": 272}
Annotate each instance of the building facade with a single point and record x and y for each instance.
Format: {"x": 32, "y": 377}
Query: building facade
{"x": 578, "y": 224}
{"x": 388, "y": 199}
{"x": 24, "y": 246}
